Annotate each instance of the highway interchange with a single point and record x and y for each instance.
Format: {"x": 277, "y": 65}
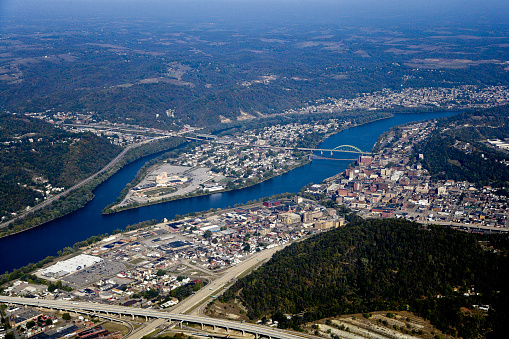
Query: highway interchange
{"x": 79, "y": 307}
{"x": 193, "y": 306}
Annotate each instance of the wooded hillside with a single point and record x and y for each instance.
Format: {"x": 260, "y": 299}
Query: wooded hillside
{"x": 382, "y": 265}
{"x": 35, "y": 154}
{"x": 459, "y": 150}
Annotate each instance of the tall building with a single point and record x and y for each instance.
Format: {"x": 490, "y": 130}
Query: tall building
{"x": 365, "y": 160}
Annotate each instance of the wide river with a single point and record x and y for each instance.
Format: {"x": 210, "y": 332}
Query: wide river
{"x": 37, "y": 243}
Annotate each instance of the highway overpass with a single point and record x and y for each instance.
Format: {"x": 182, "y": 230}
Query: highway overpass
{"x": 78, "y": 307}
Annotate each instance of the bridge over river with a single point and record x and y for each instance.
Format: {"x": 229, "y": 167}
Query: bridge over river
{"x": 338, "y": 149}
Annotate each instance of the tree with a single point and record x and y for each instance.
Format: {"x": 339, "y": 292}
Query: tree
{"x": 30, "y": 324}
{"x": 58, "y": 285}
{"x": 207, "y": 234}
{"x": 49, "y": 321}
{"x": 66, "y": 316}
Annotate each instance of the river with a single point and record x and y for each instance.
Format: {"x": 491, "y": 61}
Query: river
{"x": 37, "y": 243}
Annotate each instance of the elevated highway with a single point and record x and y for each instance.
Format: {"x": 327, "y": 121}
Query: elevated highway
{"x": 93, "y": 308}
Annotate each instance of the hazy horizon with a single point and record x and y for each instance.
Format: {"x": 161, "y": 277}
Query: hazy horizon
{"x": 251, "y": 11}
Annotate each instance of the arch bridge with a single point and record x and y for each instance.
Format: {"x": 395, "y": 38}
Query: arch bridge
{"x": 341, "y": 149}
{"x": 348, "y": 148}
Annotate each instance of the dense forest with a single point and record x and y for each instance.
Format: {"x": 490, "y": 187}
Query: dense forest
{"x": 389, "y": 264}
{"x": 36, "y": 157}
{"x": 458, "y": 149}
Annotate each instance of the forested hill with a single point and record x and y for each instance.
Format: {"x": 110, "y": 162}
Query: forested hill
{"x": 37, "y": 158}
{"x": 382, "y": 265}
{"x": 459, "y": 150}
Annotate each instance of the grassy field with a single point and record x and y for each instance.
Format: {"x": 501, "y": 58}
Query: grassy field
{"x": 160, "y": 191}
{"x": 114, "y": 327}
{"x": 136, "y": 261}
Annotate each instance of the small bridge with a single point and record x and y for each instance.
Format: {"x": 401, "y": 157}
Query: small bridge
{"x": 201, "y": 137}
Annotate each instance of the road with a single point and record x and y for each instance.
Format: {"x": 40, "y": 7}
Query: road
{"x": 104, "y": 169}
{"x": 213, "y": 289}
{"x": 83, "y": 182}
{"x": 150, "y": 313}
{"x": 339, "y": 149}
{"x": 127, "y": 323}
{"x": 147, "y": 329}
{"x": 471, "y": 226}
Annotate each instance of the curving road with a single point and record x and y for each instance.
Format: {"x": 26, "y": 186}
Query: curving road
{"x": 216, "y": 286}
{"x": 84, "y": 181}
{"x": 154, "y": 314}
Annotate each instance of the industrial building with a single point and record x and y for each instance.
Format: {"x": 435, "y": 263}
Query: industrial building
{"x": 65, "y": 267}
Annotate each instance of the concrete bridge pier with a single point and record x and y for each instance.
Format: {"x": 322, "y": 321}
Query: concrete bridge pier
{"x": 243, "y": 333}
{"x": 146, "y": 318}
{"x": 256, "y": 335}
{"x": 321, "y": 153}
{"x": 227, "y": 330}
{"x": 214, "y": 327}
{"x": 132, "y": 316}
{"x": 331, "y": 154}
{"x": 200, "y": 324}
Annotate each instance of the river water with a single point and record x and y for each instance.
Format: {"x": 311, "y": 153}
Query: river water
{"x": 37, "y": 243}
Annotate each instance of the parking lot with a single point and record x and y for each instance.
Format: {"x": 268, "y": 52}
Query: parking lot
{"x": 94, "y": 273}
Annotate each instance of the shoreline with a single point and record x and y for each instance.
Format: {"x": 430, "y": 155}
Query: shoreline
{"x": 391, "y": 114}
{"x": 180, "y": 197}
{"x": 192, "y": 212}
{"x": 94, "y": 181}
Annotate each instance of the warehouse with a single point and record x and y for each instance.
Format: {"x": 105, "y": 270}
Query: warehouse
{"x": 63, "y": 268}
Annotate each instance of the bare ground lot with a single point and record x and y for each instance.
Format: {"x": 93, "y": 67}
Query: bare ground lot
{"x": 376, "y": 325}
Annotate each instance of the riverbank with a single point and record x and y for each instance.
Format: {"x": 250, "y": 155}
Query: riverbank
{"x": 80, "y": 246}
{"x": 80, "y": 194}
{"x": 52, "y": 236}
{"x": 133, "y": 197}
{"x": 114, "y": 209}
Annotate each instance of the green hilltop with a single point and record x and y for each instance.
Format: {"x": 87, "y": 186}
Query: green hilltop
{"x": 35, "y": 154}
{"x": 391, "y": 264}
